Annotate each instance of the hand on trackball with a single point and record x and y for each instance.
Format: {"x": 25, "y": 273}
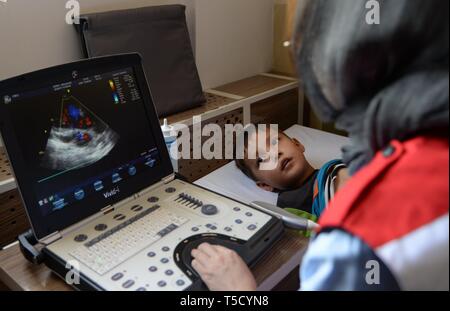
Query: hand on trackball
{"x": 222, "y": 269}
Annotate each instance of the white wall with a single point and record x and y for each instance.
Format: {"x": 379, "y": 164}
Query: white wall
{"x": 34, "y": 35}
{"x": 234, "y": 39}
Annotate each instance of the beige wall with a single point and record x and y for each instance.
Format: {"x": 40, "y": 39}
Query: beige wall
{"x": 34, "y": 35}
{"x": 234, "y": 39}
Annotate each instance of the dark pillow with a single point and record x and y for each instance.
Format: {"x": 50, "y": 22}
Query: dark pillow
{"x": 160, "y": 35}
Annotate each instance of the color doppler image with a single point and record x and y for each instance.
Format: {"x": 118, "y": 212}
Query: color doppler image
{"x": 79, "y": 139}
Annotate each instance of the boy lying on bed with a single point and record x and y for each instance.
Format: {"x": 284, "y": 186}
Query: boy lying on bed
{"x": 299, "y": 185}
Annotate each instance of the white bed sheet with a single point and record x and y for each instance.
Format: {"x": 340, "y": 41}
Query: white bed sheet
{"x": 321, "y": 147}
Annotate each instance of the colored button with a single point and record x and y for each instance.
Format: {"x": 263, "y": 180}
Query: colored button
{"x": 251, "y": 227}
{"x": 137, "y": 208}
{"x": 81, "y": 238}
{"x": 117, "y": 276}
{"x": 79, "y": 194}
{"x": 162, "y": 284}
{"x": 166, "y": 249}
{"x": 153, "y": 269}
{"x": 116, "y": 178}
{"x": 209, "y": 210}
{"x": 153, "y": 199}
{"x": 98, "y": 185}
{"x": 128, "y": 284}
{"x": 151, "y": 254}
{"x": 169, "y": 272}
{"x": 132, "y": 170}
{"x": 238, "y": 221}
{"x": 119, "y": 217}
{"x": 101, "y": 227}
{"x": 180, "y": 282}
{"x": 164, "y": 260}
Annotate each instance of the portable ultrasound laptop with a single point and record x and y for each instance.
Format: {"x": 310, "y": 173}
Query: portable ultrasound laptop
{"x": 87, "y": 151}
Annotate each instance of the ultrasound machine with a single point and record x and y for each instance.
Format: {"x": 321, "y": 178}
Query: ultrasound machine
{"x": 96, "y": 179}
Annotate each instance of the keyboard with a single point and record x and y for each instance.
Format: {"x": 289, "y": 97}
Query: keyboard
{"x": 116, "y": 245}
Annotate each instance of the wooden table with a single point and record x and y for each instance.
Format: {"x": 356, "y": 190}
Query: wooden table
{"x": 276, "y": 265}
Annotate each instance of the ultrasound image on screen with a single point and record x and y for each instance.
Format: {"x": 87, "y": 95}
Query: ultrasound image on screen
{"x": 80, "y": 137}
{"x": 84, "y": 137}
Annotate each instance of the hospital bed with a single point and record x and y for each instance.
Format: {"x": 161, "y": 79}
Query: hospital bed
{"x": 321, "y": 147}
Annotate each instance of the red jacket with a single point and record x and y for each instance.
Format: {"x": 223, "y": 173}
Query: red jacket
{"x": 398, "y": 205}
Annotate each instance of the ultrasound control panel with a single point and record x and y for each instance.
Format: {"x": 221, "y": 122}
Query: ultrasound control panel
{"x": 144, "y": 244}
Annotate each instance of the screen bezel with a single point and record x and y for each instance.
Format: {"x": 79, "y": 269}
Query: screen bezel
{"x": 44, "y": 226}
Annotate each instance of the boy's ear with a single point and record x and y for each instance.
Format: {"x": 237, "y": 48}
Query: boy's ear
{"x": 265, "y": 186}
{"x": 299, "y": 144}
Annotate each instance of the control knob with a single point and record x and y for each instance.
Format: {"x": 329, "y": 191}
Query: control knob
{"x": 209, "y": 210}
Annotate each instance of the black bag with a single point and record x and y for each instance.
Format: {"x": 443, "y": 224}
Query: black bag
{"x": 160, "y": 35}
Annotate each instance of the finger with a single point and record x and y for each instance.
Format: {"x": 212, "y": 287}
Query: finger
{"x": 208, "y": 249}
{"x": 195, "y": 252}
{"x": 200, "y": 256}
{"x": 198, "y": 267}
{"x": 222, "y": 250}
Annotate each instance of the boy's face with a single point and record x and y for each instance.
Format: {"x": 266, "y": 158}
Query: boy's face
{"x": 291, "y": 167}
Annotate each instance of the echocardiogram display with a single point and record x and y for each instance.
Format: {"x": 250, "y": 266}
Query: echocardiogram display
{"x": 84, "y": 137}
{"x": 79, "y": 138}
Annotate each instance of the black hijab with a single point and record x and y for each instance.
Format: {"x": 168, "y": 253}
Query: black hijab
{"x": 377, "y": 82}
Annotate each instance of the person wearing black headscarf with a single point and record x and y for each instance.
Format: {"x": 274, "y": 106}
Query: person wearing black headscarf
{"x": 387, "y": 85}
{"x": 377, "y": 82}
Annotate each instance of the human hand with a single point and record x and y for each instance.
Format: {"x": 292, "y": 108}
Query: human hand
{"x": 222, "y": 269}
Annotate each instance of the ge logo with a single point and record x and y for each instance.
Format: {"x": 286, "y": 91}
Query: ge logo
{"x": 75, "y": 74}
